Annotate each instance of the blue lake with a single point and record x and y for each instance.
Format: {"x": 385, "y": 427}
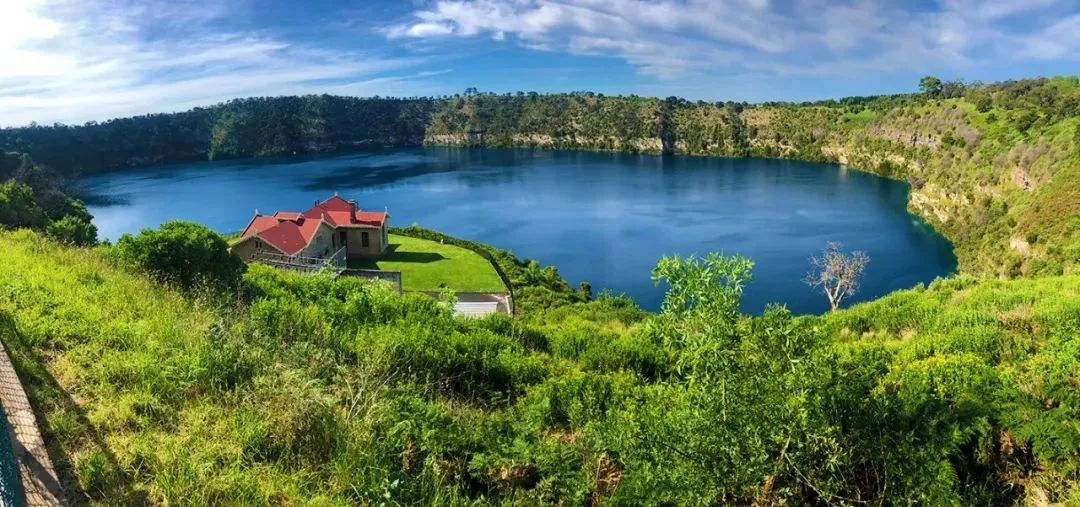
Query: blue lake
{"x": 601, "y": 217}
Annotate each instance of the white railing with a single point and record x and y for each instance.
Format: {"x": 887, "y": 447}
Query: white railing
{"x": 302, "y": 263}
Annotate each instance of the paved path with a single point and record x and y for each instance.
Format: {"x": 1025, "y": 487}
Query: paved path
{"x": 38, "y": 476}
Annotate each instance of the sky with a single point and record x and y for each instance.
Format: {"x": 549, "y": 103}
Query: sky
{"x": 74, "y": 61}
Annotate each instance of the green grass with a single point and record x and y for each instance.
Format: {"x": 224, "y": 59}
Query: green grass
{"x": 317, "y": 390}
{"x": 861, "y": 118}
{"x": 430, "y": 266}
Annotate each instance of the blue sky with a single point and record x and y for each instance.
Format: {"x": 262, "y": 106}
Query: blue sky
{"x": 77, "y": 60}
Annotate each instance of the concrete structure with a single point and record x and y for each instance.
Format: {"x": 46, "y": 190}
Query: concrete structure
{"x": 480, "y": 304}
{"x": 329, "y": 229}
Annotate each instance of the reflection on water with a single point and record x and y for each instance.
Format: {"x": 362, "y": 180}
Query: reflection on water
{"x": 601, "y": 217}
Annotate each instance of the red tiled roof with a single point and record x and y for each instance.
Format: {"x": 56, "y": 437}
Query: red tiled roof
{"x": 334, "y": 218}
{"x": 259, "y": 223}
{"x": 287, "y": 215}
{"x": 375, "y": 218}
{"x": 335, "y": 210}
{"x": 288, "y": 236}
{"x": 290, "y": 232}
{"x": 335, "y": 203}
{"x": 285, "y": 236}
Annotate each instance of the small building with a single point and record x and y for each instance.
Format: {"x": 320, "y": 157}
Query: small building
{"x": 331, "y": 231}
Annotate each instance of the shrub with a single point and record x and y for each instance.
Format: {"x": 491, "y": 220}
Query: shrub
{"x": 182, "y": 253}
{"x": 73, "y": 230}
{"x": 19, "y": 208}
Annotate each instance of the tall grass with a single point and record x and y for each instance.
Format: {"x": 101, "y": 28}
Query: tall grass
{"x": 311, "y": 390}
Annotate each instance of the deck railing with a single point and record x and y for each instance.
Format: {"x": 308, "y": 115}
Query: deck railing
{"x": 335, "y": 262}
{"x": 391, "y": 277}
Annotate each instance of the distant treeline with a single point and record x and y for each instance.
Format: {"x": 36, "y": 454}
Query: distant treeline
{"x": 239, "y": 128}
{"x": 264, "y": 126}
{"x": 995, "y": 167}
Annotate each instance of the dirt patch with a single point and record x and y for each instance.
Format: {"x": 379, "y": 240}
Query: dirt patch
{"x": 1020, "y": 245}
{"x": 1021, "y": 179}
{"x": 926, "y": 205}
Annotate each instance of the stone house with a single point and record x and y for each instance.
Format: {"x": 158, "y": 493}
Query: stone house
{"x": 332, "y": 228}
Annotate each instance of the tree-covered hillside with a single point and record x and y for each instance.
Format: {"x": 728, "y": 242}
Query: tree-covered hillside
{"x": 239, "y": 128}
{"x": 995, "y": 167}
{"x": 33, "y": 196}
{"x": 222, "y": 384}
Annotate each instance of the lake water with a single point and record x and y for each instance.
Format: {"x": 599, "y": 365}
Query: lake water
{"x": 601, "y": 217}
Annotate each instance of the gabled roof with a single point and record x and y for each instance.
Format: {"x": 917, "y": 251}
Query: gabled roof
{"x": 335, "y": 203}
{"x": 290, "y": 237}
{"x": 372, "y": 218}
{"x": 336, "y": 211}
{"x": 288, "y": 215}
{"x": 290, "y": 232}
{"x": 259, "y": 223}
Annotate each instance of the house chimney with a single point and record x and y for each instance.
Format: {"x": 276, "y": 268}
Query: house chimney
{"x": 352, "y": 211}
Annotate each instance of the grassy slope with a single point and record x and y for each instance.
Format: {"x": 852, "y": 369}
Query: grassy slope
{"x": 1027, "y": 330}
{"x": 116, "y": 380}
{"x": 162, "y": 398}
{"x": 429, "y": 266}
{"x": 177, "y": 400}
{"x": 1007, "y": 199}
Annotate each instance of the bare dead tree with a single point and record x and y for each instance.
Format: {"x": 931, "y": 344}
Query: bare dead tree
{"x": 836, "y": 272}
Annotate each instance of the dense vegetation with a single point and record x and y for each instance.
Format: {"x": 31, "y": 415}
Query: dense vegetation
{"x": 184, "y": 254}
{"x": 311, "y": 389}
{"x": 994, "y": 167}
{"x": 166, "y": 373}
{"x": 238, "y": 128}
{"x": 32, "y": 196}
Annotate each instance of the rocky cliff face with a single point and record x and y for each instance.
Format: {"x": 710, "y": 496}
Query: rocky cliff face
{"x": 967, "y": 170}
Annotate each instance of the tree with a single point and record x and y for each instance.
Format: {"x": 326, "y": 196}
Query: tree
{"x": 18, "y": 208}
{"x": 930, "y": 86}
{"x": 711, "y": 285}
{"x": 73, "y": 230}
{"x": 953, "y": 89}
{"x": 837, "y": 273}
{"x": 184, "y": 253}
{"x": 982, "y": 100}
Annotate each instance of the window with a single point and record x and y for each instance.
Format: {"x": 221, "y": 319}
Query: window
{"x": 341, "y": 238}
{"x": 364, "y": 240}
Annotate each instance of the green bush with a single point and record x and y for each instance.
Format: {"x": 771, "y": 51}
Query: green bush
{"x": 19, "y": 208}
{"x": 338, "y": 390}
{"x": 73, "y": 230}
{"x": 182, "y": 253}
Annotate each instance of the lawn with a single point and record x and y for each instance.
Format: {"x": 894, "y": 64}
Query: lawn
{"x": 429, "y": 265}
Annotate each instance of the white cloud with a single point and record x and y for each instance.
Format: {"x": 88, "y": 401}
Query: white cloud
{"x": 1059, "y": 40}
{"x": 679, "y": 38}
{"x": 74, "y": 61}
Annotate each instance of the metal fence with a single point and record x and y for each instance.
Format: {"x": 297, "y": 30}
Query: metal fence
{"x": 11, "y": 492}
{"x": 300, "y": 263}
